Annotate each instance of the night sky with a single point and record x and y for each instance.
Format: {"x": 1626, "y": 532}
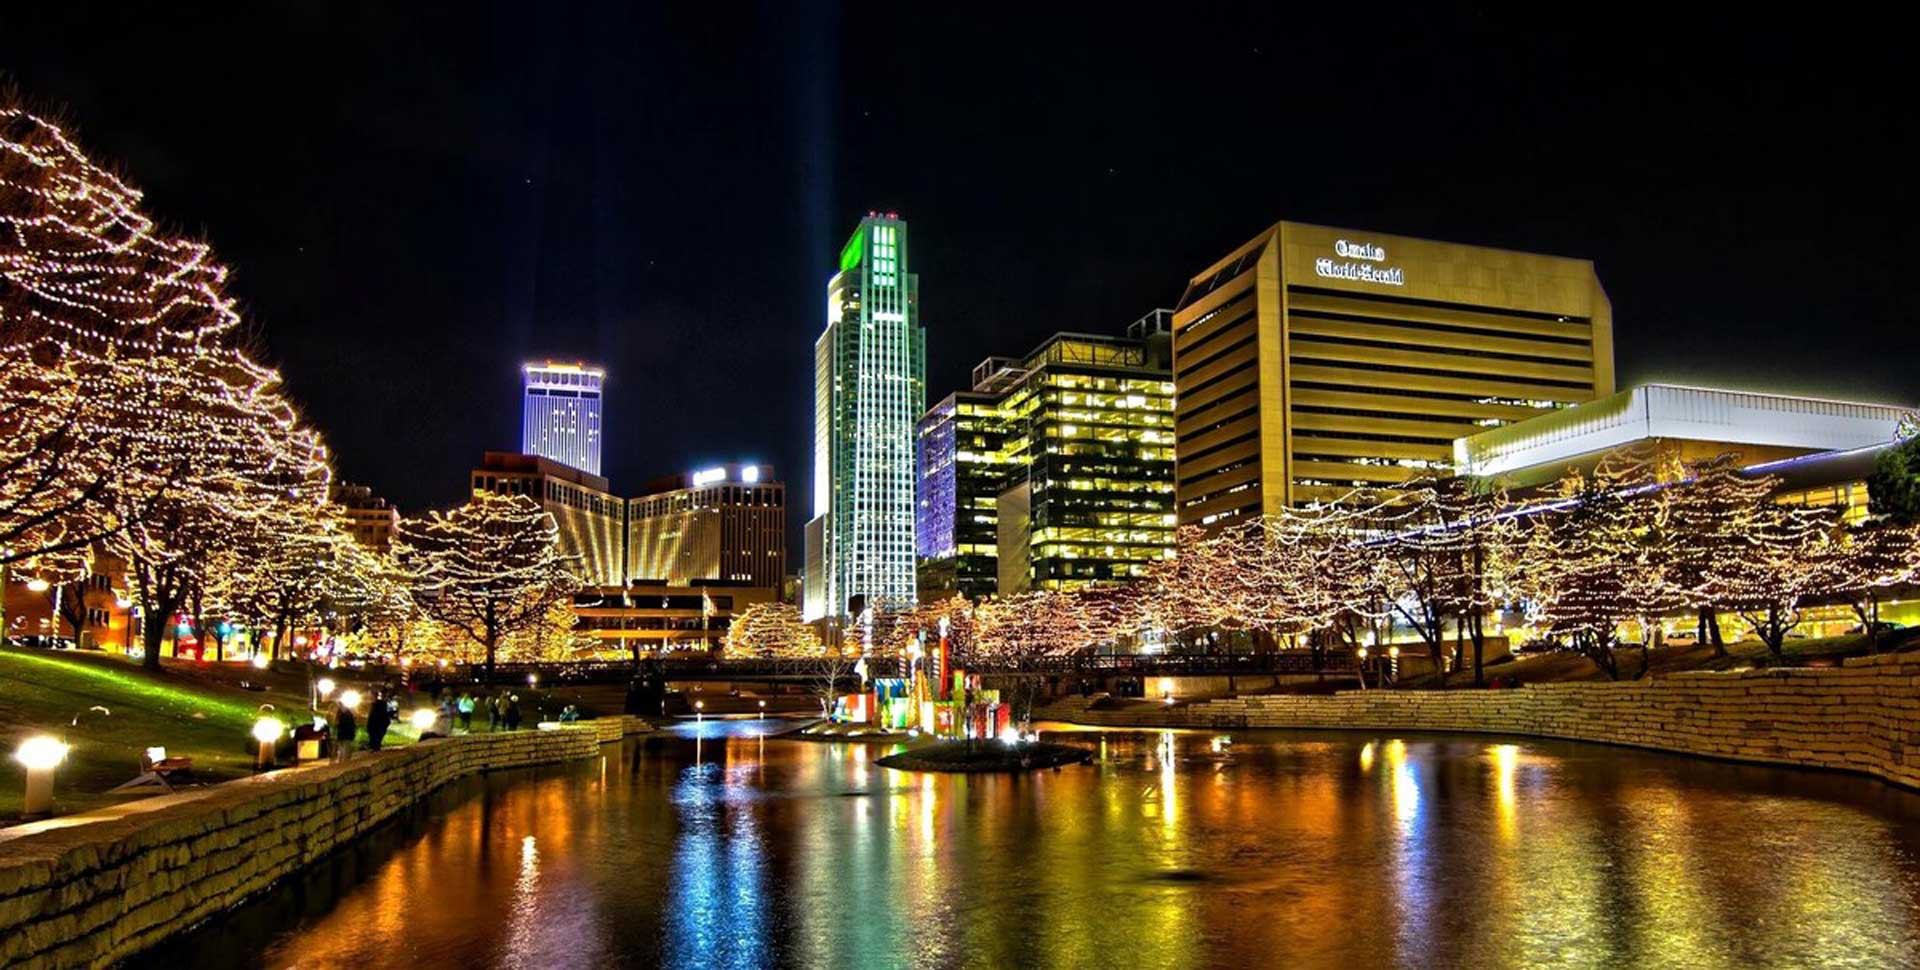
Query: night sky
{"x": 415, "y": 200}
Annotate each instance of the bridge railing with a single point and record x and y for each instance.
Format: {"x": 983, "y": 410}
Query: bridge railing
{"x": 1281, "y": 662}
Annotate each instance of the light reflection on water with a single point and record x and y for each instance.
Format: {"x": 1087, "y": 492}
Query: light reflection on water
{"x": 715, "y": 848}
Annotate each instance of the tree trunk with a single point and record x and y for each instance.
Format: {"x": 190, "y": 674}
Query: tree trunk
{"x": 1477, "y": 625}
{"x": 1710, "y": 630}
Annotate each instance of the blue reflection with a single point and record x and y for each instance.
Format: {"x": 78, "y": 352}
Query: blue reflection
{"x": 719, "y": 914}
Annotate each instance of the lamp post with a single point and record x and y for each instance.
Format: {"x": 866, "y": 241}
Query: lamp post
{"x": 422, "y": 719}
{"x": 699, "y": 707}
{"x": 267, "y": 730}
{"x": 39, "y": 754}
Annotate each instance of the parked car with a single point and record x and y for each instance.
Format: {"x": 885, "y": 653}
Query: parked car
{"x": 1688, "y": 635}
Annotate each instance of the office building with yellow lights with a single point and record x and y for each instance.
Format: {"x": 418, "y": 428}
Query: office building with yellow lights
{"x": 1054, "y": 471}
{"x": 728, "y": 522}
{"x": 1313, "y": 360}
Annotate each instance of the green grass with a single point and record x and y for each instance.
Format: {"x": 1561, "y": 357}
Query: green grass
{"x": 199, "y": 711}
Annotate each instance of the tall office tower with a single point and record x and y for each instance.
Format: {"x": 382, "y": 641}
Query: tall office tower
{"x": 1313, "y": 360}
{"x": 561, "y": 417}
{"x": 1055, "y": 471}
{"x": 869, "y": 387}
{"x": 728, "y": 522}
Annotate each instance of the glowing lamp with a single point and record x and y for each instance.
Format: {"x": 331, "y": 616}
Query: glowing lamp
{"x": 406, "y": 661}
{"x": 38, "y": 585}
{"x": 1393, "y": 653}
{"x": 423, "y": 719}
{"x": 260, "y": 661}
{"x": 350, "y": 698}
{"x": 122, "y": 602}
{"x": 300, "y": 640}
{"x": 40, "y": 754}
{"x": 1009, "y": 736}
{"x": 1362, "y": 652}
{"x": 699, "y": 705}
{"x": 533, "y": 679}
{"x": 324, "y": 687}
{"x": 266, "y": 731}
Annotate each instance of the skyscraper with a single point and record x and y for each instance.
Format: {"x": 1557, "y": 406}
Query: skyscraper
{"x": 561, "y": 418}
{"x": 869, "y": 389}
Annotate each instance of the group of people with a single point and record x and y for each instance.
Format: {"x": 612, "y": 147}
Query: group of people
{"x": 455, "y": 710}
{"x": 380, "y": 714}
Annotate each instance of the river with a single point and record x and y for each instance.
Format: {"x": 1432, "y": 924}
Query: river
{"x": 710, "y": 847}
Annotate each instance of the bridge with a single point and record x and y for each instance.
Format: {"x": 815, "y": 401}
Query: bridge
{"x": 707, "y": 668}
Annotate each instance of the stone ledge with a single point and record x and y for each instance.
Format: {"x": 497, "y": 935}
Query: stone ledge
{"x": 1857, "y": 719}
{"x": 91, "y": 890}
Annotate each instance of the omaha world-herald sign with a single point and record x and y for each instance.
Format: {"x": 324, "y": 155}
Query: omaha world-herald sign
{"x": 1359, "y": 261}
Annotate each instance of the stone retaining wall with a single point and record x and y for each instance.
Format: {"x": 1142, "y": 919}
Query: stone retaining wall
{"x": 96, "y": 893}
{"x": 1862, "y": 717}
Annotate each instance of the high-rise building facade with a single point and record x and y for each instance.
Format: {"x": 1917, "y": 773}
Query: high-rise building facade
{"x": 560, "y": 419}
{"x": 592, "y": 521}
{"x": 869, "y": 388}
{"x": 963, "y": 468}
{"x": 727, "y": 523}
{"x": 1056, "y": 470}
{"x": 1313, "y": 360}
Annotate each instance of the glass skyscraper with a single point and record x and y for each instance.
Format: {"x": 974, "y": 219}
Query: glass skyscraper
{"x": 561, "y": 418}
{"x": 869, "y": 389}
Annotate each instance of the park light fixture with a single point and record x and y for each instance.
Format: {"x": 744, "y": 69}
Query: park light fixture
{"x": 1362, "y": 652}
{"x": 260, "y": 661}
{"x": 422, "y": 719}
{"x": 121, "y": 602}
{"x": 350, "y": 698}
{"x": 267, "y": 730}
{"x": 324, "y": 687}
{"x": 39, "y": 754}
{"x": 533, "y": 680}
{"x": 38, "y": 585}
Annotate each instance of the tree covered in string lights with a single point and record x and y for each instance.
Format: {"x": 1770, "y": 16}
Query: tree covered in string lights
{"x": 1588, "y": 565}
{"x": 1790, "y": 553}
{"x": 1870, "y": 561}
{"x": 1709, "y": 515}
{"x": 126, "y": 395}
{"x": 490, "y": 569}
{"x": 771, "y": 631}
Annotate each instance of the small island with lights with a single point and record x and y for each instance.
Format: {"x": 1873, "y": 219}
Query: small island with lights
{"x": 986, "y": 756}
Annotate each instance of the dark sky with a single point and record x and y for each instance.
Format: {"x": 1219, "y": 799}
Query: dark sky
{"x": 414, "y": 200}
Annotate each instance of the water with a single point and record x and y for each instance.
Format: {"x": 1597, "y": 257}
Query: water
{"x": 710, "y": 848}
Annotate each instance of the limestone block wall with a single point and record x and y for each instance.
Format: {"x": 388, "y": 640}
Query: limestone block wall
{"x": 93, "y": 894}
{"x": 1863, "y": 716}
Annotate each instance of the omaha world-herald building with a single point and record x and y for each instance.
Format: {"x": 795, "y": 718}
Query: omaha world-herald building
{"x": 1314, "y": 360}
{"x": 869, "y": 387}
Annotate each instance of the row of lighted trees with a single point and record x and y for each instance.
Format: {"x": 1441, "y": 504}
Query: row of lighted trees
{"x": 1625, "y": 545}
{"x": 136, "y": 423}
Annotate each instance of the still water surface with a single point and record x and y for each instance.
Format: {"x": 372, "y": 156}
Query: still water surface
{"x": 712, "y": 848}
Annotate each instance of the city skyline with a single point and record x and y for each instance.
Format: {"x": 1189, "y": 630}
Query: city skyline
{"x": 540, "y": 246}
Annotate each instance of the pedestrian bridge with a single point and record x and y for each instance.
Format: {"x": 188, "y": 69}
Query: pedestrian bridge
{"x": 707, "y": 668}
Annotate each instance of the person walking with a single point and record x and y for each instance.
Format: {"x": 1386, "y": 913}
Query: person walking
{"x": 493, "y": 714}
{"x": 513, "y": 712}
{"x": 465, "y": 707}
{"x": 500, "y": 711}
{"x": 378, "y": 718}
{"x": 344, "y": 729}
